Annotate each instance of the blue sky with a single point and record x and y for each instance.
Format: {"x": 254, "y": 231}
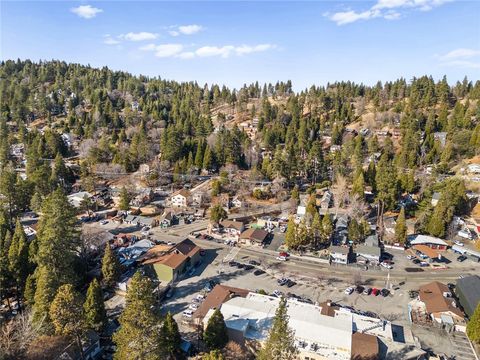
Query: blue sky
{"x": 239, "y": 42}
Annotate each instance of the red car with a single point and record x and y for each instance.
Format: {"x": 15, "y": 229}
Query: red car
{"x": 375, "y": 291}
{"x": 284, "y": 254}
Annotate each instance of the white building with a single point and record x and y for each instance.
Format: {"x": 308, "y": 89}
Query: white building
{"x": 77, "y": 198}
{"x": 338, "y": 335}
{"x": 180, "y": 198}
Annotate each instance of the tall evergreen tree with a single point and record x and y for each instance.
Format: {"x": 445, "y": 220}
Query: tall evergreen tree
{"x": 124, "y": 203}
{"x": 111, "y": 269}
{"x": 18, "y": 259}
{"x": 67, "y": 315}
{"x": 473, "y": 326}
{"x": 170, "y": 337}
{"x": 215, "y": 335}
{"x": 94, "y": 307}
{"x": 280, "y": 344}
{"x": 401, "y": 227}
{"x": 58, "y": 244}
{"x": 139, "y": 336}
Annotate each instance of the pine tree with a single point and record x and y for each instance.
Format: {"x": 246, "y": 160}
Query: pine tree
{"x": 386, "y": 182}
{"x": 29, "y": 291}
{"x": 94, "y": 307}
{"x": 327, "y": 229}
{"x": 217, "y": 213}
{"x": 66, "y": 313}
{"x": 358, "y": 187}
{"x": 291, "y": 234}
{"x": 58, "y": 243}
{"x": 5, "y": 276}
{"x": 473, "y": 326}
{"x": 280, "y": 344}
{"x": 170, "y": 338}
{"x": 139, "y": 336}
{"x": 46, "y": 287}
{"x": 354, "y": 231}
{"x": 18, "y": 259}
{"x": 208, "y": 159}
{"x": 124, "y": 203}
{"x": 401, "y": 228}
{"x": 111, "y": 269}
{"x": 215, "y": 335}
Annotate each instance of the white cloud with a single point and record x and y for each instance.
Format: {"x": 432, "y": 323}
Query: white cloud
{"x": 174, "y": 33}
{"x": 386, "y": 9}
{"x": 190, "y": 29}
{"x": 461, "y": 53}
{"x": 186, "y": 55}
{"x": 86, "y": 11}
{"x": 140, "y": 36}
{"x": 164, "y": 50}
{"x": 462, "y": 57}
{"x": 177, "y": 50}
{"x": 110, "y": 40}
{"x": 347, "y": 17}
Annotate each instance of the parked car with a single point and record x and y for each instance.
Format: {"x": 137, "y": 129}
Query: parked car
{"x": 104, "y": 222}
{"x": 410, "y": 257}
{"x": 281, "y": 258}
{"x": 200, "y": 297}
{"x": 193, "y": 306}
{"x": 277, "y": 293}
{"x": 384, "y": 292}
{"x": 258, "y": 272}
{"x": 385, "y": 265}
{"x": 416, "y": 261}
{"x": 291, "y": 283}
{"x": 248, "y": 267}
{"x": 459, "y": 243}
{"x": 359, "y": 289}
{"x": 253, "y": 262}
{"x": 284, "y": 254}
{"x": 461, "y": 258}
{"x": 367, "y": 291}
{"x": 282, "y": 281}
{"x": 375, "y": 291}
{"x": 188, "y": 313}
{"x": 423, "y": 264}
{"x": 349, "y": 290}
{"x": 466, "y": 234}
{"x": 232, "y": 263}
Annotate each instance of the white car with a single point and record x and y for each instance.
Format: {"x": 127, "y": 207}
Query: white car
{"x": 459, "y": 243}
{"x": 281, "y": 258}
{"x": 104, "y": 222}
{"x": 170, "y": 243}
{"x": 188, "y": 313}
{"x": 193, "y": 306}
{"x": 200, "y": 297}
{"x": 387, "y": 266}
{"x": 465, "y": 234}
{"x": 277, "y": 293}
{"x": 349, "y": 290}
{"x": 410, "y": 257}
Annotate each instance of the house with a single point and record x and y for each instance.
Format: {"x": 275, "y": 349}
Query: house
{"x": 435, "y": 198}
{"x": 326, "y": 200}
{"x": 233, "y": 228}
{"x": 219, "y": 295}
{"x": 77, "y": 199}
{"x": 341, "y": 230}
{"x": 180, "y": 198}
{"x": 440, "y": 305}
{"x": 372, "y": 240}
{"x": 130, "y": 219}
{"x": 197, "y": 198}
{"x": 91, "y": 349}
{"x": 143, "y": 197}
{"x": 340, "y": 254}
{"x": 317, "y": 336}
{"x": 254, "y": 236}
{"x": 167, "y": 219}
{"x": 389, "y": 225}
{"x": 430, "y": 241}
{"x": 171, "y": 265}
{"x": 370, "y": 254}
{"x": 468, "y": 293}
{"x": 147, "y": 221}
